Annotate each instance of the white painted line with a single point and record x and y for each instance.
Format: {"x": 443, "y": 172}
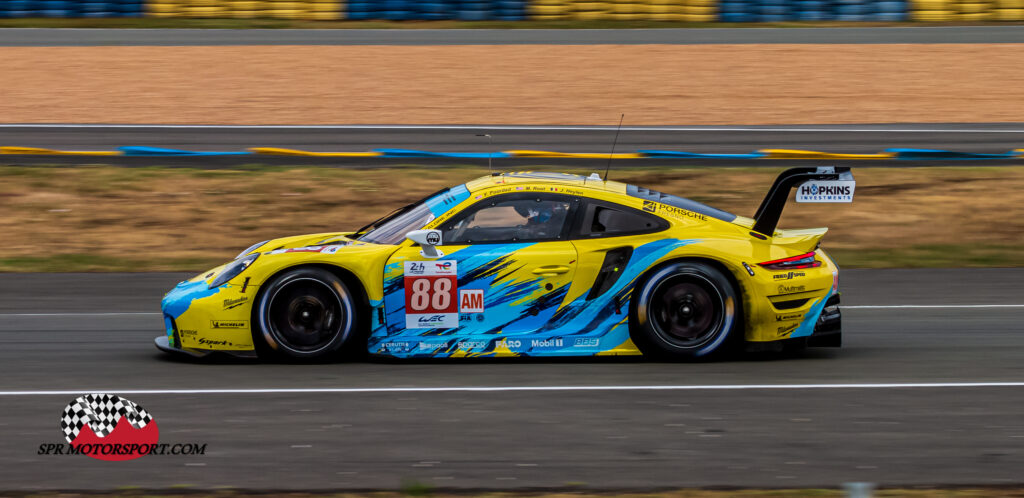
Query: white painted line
{"x": 82, "y": 314}
{"x": 923, "y": 129}
{"x": 912, "y": 306}
{"x": 352, "y": 390}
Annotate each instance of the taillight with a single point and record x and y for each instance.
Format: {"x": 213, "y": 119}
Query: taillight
{"x": 792, "y": 263}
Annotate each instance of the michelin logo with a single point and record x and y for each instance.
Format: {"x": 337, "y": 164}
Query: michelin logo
{"x": 826, "y": 191}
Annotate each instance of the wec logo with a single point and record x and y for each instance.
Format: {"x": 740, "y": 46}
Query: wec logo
{"x": 431, "y": 320}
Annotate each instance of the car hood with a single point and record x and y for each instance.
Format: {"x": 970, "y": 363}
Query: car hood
{"x": 313, "y": 244}
{"x": 298, "y": 241}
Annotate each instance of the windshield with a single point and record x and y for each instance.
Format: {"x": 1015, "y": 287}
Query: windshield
{"x": 393, "y": 231}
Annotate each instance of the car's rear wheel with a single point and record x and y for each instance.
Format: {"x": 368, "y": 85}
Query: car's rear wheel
{"x": 305, "y": 314}
{"x": 684, "y": 310}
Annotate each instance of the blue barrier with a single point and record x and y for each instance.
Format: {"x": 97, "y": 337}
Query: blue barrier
{"x": 424, "y": 153}
{"x": 436, "y": 10}
{"x": 19, "y": 8}
{"x": 71, "y": 8}
{"x": 934, "y": 154}
{"x": 158, "y": 151}
{"x": 433, "y": 10}
{"x": 812, "y": 10}
{"x": 510, "y": 10}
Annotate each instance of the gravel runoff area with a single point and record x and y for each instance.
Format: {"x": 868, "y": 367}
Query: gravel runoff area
{"x": 517, "y": 84}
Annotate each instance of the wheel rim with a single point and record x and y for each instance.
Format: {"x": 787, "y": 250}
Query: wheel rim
{"x": 687, "y": 311}
{"x": 305, "y": 315}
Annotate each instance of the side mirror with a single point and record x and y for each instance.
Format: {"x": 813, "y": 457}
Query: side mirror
{"x": 428, "y": 241}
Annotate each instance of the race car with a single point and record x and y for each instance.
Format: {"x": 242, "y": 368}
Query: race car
{"x": 527, "y": 264}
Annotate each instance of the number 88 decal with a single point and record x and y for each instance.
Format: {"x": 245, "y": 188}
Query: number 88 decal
{"x": 430, "y": 290}
{"x": 436, "y": 296}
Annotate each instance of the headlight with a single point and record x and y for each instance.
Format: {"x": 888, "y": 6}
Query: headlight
{"x": 254, "y": 246}
{"x": 233, "y": 270}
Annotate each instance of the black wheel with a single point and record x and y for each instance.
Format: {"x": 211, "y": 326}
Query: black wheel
{"x": 306, "y": 314}
{"x": 684, "y": 310}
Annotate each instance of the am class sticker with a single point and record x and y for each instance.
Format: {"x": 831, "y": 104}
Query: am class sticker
{"x": 471, "y": 301}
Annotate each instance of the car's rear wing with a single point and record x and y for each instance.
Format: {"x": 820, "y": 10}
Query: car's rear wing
{"x": 821, "y": 184}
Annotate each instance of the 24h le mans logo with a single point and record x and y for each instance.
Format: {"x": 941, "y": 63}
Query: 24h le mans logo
{"x": 108, "y": 427}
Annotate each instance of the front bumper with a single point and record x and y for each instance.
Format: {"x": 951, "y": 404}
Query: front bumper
{"x": 164, "y": 345}
{"x": 200, "y": 318}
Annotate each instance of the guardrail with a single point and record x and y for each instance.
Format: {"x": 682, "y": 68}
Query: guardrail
{"x": 767, "y": 154}
{"x": 518, "y": 10}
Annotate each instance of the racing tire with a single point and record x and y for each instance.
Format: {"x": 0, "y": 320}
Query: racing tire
{"x": 684, "y": 311}
{"x": 307, "y": 314}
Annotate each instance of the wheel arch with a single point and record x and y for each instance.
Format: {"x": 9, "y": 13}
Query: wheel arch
{"x": 732, "y": 274}
{"x": 354, "y": 283}
{"x": 363, "y": 320}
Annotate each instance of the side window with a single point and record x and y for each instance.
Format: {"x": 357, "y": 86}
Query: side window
{"x": 610, "y": 220}
{"x": 510, "y": 218}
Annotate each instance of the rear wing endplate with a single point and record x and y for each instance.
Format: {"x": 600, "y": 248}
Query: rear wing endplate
{"x": 838, "y": 182}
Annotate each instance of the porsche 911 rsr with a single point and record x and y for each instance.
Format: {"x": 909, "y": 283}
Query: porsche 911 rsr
{"x": 527, "y": 264}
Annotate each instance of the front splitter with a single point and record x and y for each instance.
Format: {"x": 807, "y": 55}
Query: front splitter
{"x": 164, "y": 345}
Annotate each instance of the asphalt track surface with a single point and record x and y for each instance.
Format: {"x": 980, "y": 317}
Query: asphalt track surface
{"x": 867, "y": 138}
{"x": 41, "y": 37}
{"x": 719, "y": 425}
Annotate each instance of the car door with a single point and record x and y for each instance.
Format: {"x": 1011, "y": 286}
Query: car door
{"x": 615, "y": 244}
{"x": 506, "y": 268}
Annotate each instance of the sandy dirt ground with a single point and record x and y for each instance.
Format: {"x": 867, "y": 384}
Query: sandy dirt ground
{"x": 109, "y": 218}
{"x": 651, "y": 84}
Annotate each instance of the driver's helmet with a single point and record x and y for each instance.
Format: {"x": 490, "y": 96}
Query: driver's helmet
{"x": 536, "y": 213}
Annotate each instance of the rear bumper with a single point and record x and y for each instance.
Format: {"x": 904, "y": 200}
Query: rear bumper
{"x": 828, "y": 331}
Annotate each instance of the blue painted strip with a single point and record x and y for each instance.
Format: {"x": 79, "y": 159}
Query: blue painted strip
{"x": 919, "y": 154}
{"x": 424, "y": 153}
{"x": 697, "y": 155}
{"x": 157, "y": 151}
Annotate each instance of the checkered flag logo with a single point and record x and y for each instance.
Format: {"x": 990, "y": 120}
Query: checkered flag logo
{"x": 101, "y": 412}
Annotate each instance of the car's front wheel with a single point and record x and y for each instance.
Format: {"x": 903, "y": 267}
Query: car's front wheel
{"x": 684, "y": 310}
{"x": 304, "y": 314}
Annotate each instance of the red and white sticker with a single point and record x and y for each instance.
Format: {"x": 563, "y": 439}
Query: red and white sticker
{"x": 431, "y": 290}
{"x": 471, "y": 301}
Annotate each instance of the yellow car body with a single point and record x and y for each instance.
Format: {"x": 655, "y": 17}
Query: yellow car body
{"x": 539, "y": 292}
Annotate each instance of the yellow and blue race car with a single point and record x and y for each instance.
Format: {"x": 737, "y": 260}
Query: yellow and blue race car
{"x": 527, "y": 264}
